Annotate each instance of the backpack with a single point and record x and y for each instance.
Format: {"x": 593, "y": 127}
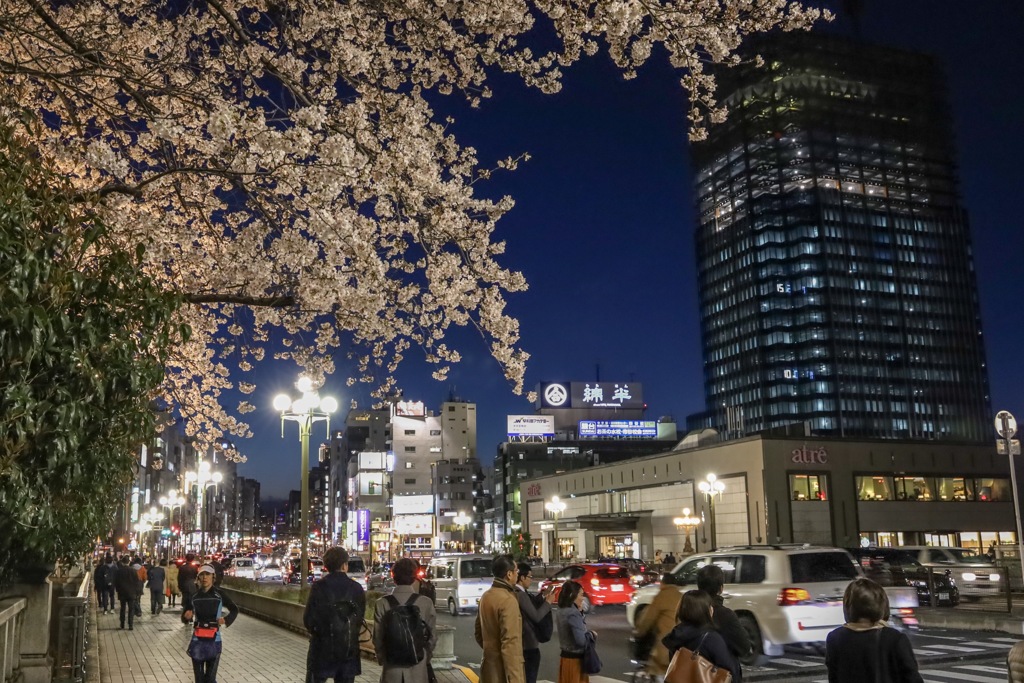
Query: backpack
{"x": 544, "y": 628}
{"x": 405, "y": 633}
{"x": 338, "y": 634}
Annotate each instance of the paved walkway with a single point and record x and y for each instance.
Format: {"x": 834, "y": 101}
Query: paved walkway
{"x": 254, "y": 652}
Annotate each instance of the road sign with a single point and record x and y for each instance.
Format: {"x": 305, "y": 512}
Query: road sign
{"x": 1014, "y": 447}
{"x": 1006, "y": 424}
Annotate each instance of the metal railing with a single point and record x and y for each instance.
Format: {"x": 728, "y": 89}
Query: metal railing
{"x": 72, "y": 628}
{"x": 12, "y": 617}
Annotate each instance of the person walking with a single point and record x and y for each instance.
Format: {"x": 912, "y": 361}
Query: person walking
{"x": 140, "y": 578}
{"x": 155, "y": 583}
{"x": 696, "y": 632}
{"x": 499, "y": 626}
{"x": 573, "y": 634}
{"x": 328, "y": 657}
{"x": 187, "y": 576}
{"x": 404, "y": 573}
{"x": 864, "y": 649}
{"x": 656, "y": 622}
{"x": 205, "y": 609}
{"x": 533, "y": 610}
{"x": 171, "y": 578}
{"x": 126, "y": 582}
{"x": 711, "y": 580}
{"x": 103, "y": 581}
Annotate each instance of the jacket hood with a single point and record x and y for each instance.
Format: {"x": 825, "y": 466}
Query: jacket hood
{"x": 684, "y": 635}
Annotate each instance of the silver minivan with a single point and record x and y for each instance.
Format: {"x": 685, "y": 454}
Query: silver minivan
{"x": 460, "y": 580}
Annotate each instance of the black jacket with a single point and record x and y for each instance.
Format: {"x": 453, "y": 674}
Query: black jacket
{"x": 874, "y": 656}
{"x": 126, "y": 582}
{"x": 728, "y": 624}
{"x": 713, "y": 648}
{"x": 206, "y": 606}
{"x": 187, "y": 575}
{"x": 333, "y": 587}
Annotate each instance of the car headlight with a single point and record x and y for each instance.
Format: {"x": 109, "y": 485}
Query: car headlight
{"x": 993, "y": 576}
{"x": 969, "y": 576}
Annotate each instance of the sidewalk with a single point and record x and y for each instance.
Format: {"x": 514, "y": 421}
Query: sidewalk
{"x": 254, "y": 652}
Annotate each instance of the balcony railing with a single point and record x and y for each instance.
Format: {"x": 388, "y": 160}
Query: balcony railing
{"x": 12, "y": 617}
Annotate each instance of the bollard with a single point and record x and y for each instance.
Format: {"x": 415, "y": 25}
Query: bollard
{"x": 444, "y": 650}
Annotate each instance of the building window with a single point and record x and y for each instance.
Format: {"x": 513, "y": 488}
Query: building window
{"x": 955, "y": 488}
{"x": 435, "y": 449}
{"x": 435, "y": 432}
{"x": 807, "y": 487}
{"x": 410, "y": 465}
{"x": 410, "y": 449}
{"x": 995, "y": 490}
{"x": 874, "y": 487}
{"x": 914, "y": 488}
{"x": 410, "y": 481}
{"x": 451, "y": 409}
{"x": 410, "y": 432}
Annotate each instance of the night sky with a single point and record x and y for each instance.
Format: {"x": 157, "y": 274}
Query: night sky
{"x": 604, "y": 220}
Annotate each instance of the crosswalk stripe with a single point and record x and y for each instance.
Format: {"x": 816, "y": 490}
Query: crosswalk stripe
{"x": 985, "y": 669}
{"x": 799, "y": 663}
{"x": 928, "y": 653}
{"x": 956, "y": 648}
{"x": 985, "y": 643}
{"x": 960, "y": 676}
{"x": 1006, "y": 640}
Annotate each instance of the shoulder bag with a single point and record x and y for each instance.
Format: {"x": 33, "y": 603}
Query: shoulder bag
{"x": 591, "y": 663}
{"x": 691, "y": 667}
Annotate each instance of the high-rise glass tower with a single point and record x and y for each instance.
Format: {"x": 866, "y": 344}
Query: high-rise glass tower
{"x": 837, "y": 287}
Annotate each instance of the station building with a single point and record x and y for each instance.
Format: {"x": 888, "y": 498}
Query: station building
{"x": 777, "y": 489}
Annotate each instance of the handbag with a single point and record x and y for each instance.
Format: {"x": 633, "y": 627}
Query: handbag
{"x": 202, "y": 650}
{"x": 591, "y": 663}
{"x": 692, "y": 667}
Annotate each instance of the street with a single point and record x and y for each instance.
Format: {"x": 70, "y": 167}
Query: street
{"x": 943, "y": 654}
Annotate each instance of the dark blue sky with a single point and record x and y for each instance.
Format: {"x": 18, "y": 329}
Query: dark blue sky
{"x": 604, "y": 219}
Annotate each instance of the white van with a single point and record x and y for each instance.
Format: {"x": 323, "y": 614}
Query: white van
{"x": 460, "y": 580}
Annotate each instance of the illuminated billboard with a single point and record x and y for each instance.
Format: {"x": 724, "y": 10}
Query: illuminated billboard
{"x": 628, "y": 395}
{"x": 612, "y": 429}
{"x": 372, "y": 461}
{"x": 363, "y": 527}
{"x": 415, "y": 525}
{"x": 371, "y": 483}
{"x": 531, "y": 425}
{"x": 413, "y": 505}
{"x": 410, "y": 408}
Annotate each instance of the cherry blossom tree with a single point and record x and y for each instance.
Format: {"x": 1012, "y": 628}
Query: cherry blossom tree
{"x": 284, "y": 166}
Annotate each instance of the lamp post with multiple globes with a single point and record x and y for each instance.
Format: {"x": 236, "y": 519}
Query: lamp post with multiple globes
{"x": 169, "y": 502}
{"x": 712, "y": 486}
{"x": 462, "y": 519}
{"x": 202, "y": 478}
{"x": 686, "y": 523}
{"x": 306, "y": 410}
{"x": 556, "y": 507}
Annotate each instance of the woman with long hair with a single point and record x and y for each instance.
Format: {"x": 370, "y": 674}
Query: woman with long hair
{"x": 864, "y": 649}
{"x": 573, "y": 635}
{"x": 696, "y": 632}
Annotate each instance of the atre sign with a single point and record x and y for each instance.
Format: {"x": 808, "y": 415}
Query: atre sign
{"x": 810, "y": 456}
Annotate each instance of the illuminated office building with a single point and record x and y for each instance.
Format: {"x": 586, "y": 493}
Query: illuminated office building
{"x": 837, "y": 286}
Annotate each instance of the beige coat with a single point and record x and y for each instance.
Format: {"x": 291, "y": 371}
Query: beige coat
{"x": 1015, "y": 663}
{"x": 499, "y": 631}
{"x": 660, "y": 617}
{"x": 172, "y": 579}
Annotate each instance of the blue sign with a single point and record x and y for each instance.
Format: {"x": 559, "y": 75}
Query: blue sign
{"x": 618, "y": 428}
{"x": 363, "y": 527}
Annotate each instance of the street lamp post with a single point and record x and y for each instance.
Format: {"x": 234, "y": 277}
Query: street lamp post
{"x": 1006, "y": 427}
{"x": 170, "y": 501}
{"x": 686, "y": 522}
{"x": 711, "y": 487}
{"x": 306, "y": 410}
{"x": 202, "y": 478}
{"x": 462, "y": 519}
{"x": 555, "y": 507}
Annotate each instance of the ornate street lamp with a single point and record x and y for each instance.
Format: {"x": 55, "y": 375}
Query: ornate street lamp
{"x": 202, "y": 478}
{"x": 169, "y": 502}
{"x": 711, "y": 487}
{"x": 555, "y": 507}
{"x": 462, "y": 519}
{"x": 686, "y": 523}
{"x": 306, "y": 410}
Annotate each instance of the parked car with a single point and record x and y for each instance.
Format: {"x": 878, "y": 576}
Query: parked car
{"x": 379, "y": 577}
{"x": 271, "y": 572}
{"x": 783, "y": 595}
{"x": 902, "y": 567}
{"x": 975, "y": 575}
{"x": 292, "y": 574}
{"x": 460, "y": 580}
{"x": 243, "y": 568}
{"x": 603, "y": 583}
{"x": 357, "y": 570}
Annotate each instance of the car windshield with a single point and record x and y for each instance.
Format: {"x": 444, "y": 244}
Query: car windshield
{"x": 814, "y": 567}
{"x": 356, "y": 566}
{"x": 965, "y": 555}
{"x": 476, "y": 569}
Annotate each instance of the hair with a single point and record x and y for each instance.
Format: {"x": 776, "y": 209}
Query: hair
{"x": 710, "y": 579}
{"x": 404, "y": 571}
{"x": 190, "y": 556}
{"x": 570, "y": 591}
{"x": 163, "y": 562}
{"x": 525, "y": 569}
{"x": 502, "y": 565}
{"x": 125, "y": 559}
{"x": 865, "y": 600}
{"x": 335, "y": 558}
{"x": 695, "y": 608}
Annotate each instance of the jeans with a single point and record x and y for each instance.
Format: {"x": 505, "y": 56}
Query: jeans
{"x": 156, "y": 601}
{"x": 128, "y": 604}
{"x": 531, "y": 659}
{"x": 106, "y": 598}
{"x": 206, "y": 672}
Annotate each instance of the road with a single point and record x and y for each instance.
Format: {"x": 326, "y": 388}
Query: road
{"x": 965, "y": 656}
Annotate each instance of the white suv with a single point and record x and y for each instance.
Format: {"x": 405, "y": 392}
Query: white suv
{"x": 975, "y": 575}
{"x": 782, "y": 594}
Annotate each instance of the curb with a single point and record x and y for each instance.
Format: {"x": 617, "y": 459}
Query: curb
{"x": 468, "y": 673}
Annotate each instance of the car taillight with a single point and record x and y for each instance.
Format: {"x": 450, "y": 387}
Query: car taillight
{"x": 793, "y": 596}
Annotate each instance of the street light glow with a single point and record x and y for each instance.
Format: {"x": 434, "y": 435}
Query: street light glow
{"x": 282, "y": 402}
{"x": 305, "y": 384}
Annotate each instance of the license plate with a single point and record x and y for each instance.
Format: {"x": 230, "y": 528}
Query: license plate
{"x": 943, "y": 596}
{"x": 617, "y": 588}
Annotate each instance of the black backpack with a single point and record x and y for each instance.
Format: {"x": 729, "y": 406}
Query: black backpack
{"x": 405, "y": 633}
{"x": 544, "y": 628}
{"x": 338, "y": 633}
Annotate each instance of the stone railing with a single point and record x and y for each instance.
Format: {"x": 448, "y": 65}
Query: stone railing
{"x": 72, "y": 617}
{"x": 12, "y": 618}
{"x": 289, "y": 615}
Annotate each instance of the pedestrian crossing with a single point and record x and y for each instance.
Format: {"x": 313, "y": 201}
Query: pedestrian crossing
{"x": 969, "y": 673}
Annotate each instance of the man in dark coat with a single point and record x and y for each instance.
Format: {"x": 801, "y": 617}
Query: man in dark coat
{"x": 533, "y": 608}
{"x": 187, "y": 575}
{"x": 155, "y": 583}
{"x": 322, "y": 660}
{"x": 126, "y": 583}
{"x": 710, "y": 579}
